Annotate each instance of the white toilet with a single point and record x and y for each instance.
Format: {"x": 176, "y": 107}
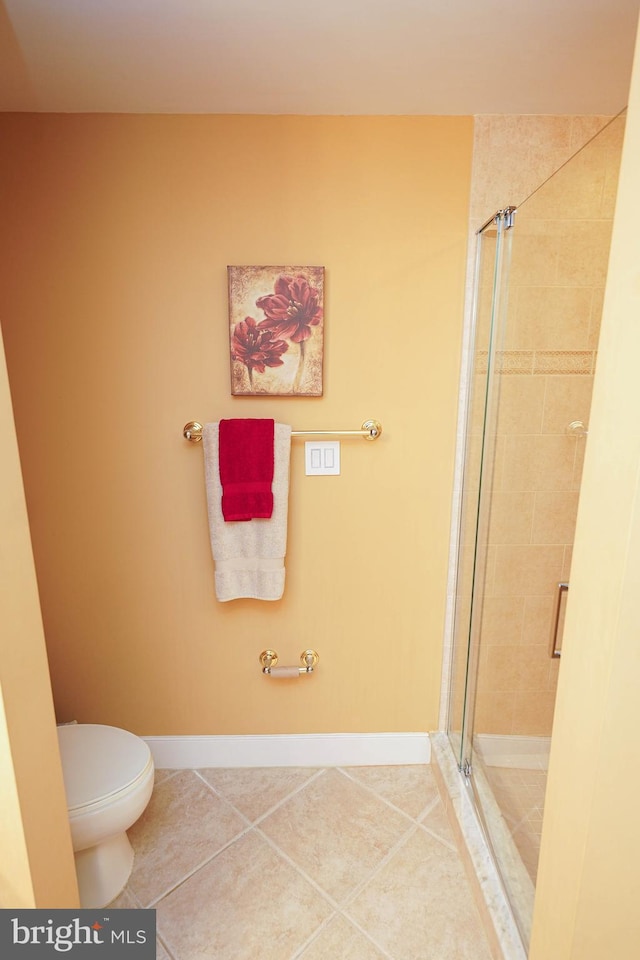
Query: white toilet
{"x": 108, "y": 778}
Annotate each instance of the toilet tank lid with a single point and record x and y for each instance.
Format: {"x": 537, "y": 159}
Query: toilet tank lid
{"x": 98, "y": 760}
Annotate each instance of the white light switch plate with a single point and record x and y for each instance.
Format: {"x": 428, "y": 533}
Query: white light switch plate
{"x": 322, "y": 458}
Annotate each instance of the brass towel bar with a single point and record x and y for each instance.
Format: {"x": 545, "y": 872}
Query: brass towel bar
{"x": 370, "y": 430}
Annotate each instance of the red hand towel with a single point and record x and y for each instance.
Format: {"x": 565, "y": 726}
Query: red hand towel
{"x": 246, "y": 468}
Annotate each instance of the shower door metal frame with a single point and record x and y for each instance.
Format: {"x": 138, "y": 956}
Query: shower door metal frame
{"x": 479, "y": 499}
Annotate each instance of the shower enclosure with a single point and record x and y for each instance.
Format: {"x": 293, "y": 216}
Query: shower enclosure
{"x": 539, "y": 285}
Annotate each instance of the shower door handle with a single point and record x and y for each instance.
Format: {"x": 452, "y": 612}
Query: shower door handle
{"x": 556, "y": 641}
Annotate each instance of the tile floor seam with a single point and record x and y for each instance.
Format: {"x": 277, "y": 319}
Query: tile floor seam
{"x": 427, "y": 810}
{"x": 289, "y": 796}
{"x": 450, "y": 845}
{"x": 314, "y": 883}
{"x": 136, "y": 899}
{"x": 165, "y": 947}
{"x": 375, "y": 793}
{"x": 137, "y": 902}
{"x": 272, "y": 920}
{"x": 386, "y": 951}
{"x": 365, "y": 933}
{"x": 318, "y": 773}
{"x": 357, "y": 890}
{"x": 169, "y": 776}
{"x": 220, "y": 796}
{"x": 192, "y": 873}
{"x": 517, "y": 823}
{"x": 299, "y": 951}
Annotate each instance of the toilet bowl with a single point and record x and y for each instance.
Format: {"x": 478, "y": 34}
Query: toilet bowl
{"x": 108, "y": 778}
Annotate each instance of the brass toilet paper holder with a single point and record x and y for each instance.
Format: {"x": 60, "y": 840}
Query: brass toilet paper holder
{"x": 269, "y": 660}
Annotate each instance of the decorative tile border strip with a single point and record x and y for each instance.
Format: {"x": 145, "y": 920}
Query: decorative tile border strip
{"x": 564, "y": 361}
{"x": 515, "y": 361}
{"x": 558, "y": 362}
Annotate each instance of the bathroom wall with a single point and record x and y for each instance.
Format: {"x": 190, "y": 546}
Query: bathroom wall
{"x": 119, "y": 231}
{"x": 36, "y": 866}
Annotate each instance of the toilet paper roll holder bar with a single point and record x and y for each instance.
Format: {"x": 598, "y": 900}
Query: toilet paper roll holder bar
{"x": 269, "y": 660}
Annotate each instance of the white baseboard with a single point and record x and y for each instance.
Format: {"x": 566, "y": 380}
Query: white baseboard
{"x": 501, "y": 750}
{"x": 291, "y": 750}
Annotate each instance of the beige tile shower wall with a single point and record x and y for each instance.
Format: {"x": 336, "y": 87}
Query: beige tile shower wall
{"x": 556, "y": 279}
{"x": 512, "y": 157}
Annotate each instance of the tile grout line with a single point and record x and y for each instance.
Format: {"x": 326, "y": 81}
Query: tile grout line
{"x": 450, "y": 844}
{"x": 279, "y": 852}
{"x": 296, "y": 790}
{"x": 428, "y": 809}
{"x": 357, "y": 890}
{"x": 219, "y": 796}
{"x": 249, "y": 825}
{"x": 165, "y": 947}
{"x": 367, "y": 936}
{"x": 169, "y": 775}
{"x": 337, "y": 910}
{"x": 379, "y": 796}
{"x": 289, "y": 796}
{"x": 419, "y": 820}
{"x": 299, "y": 952}
{"x": 203, "y": 863}
{"x": 445, "y": 843}
{"x": 361, "y": 886}
{"x": 413, "y": 827}
{"x": 285, "y": 856}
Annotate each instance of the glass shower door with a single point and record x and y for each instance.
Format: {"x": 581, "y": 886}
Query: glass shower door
{"x": 538, "y": 320}
{"x": 492, "y": 256}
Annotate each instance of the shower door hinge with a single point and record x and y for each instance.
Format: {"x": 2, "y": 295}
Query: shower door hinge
{"x": 467, "y": 768}
{"x": 508, "y": 215}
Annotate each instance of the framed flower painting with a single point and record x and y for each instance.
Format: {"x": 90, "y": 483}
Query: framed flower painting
{"x": 276, "y": 331}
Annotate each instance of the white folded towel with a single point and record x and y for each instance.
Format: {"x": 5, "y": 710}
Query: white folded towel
{"x": 249, "y": 555}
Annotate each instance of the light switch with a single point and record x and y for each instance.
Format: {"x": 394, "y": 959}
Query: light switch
{"x": 322, "y": 458}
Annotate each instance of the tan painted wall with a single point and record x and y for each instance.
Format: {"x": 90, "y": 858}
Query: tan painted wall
{"x": 120, "y": 230}
{"x": 16, "y": 887}
{"x": 36, "y": 864}
{"x": 586, "y": 906}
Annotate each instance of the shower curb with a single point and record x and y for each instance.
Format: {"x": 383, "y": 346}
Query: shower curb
{"x": 500, "y": 925}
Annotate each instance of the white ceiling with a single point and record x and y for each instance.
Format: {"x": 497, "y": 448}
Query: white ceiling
{"x": 317, "y": 56}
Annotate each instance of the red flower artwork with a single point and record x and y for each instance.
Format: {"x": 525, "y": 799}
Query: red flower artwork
{"x": 255, "y": 347}
{"x": 292, "y": 310}
{"x": 290, "y": 299}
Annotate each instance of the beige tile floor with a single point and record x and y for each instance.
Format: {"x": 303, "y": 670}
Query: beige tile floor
{"x": 520, "y": 797}
{"x": 353, "y": 863}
